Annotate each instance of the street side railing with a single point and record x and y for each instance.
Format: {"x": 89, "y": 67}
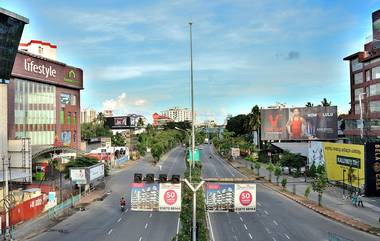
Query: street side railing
{"x": 60, "y": 208}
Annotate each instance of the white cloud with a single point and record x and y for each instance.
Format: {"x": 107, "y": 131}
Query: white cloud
{"x": 140, "y": 102}
{"x": 118, "y": 103}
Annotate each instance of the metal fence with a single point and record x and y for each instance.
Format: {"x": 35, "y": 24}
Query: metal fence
{"x": 60, "y": 208}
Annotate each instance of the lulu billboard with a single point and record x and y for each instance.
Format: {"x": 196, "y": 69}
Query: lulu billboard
{"x": 299, "y": 123}
{"x": 372, "y": 169}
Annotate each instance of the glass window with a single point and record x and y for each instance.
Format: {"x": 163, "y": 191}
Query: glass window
{"x": 356, "y": 65}
{"x": 69, "y": 118}
{"x": 357, "y": 109}
{"x": 376, "y": 72}
{"x": 62, "y": 116}
{"x": 368, "y": 75}
{"x": 73, "y": 99}
{"x": 75, "y": 118}
{"x": 374, "y": 89}
{"x": 374, "y": 106}
{"x": 357, "y": 92}
{"x": 358, "y": 78}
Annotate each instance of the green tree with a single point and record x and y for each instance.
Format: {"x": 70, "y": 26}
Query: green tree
{"x": 307, "y": 192}
{"x": 284, "y": 181}
{"x": 238, "y": 125}
{"x": 101, "y": 118}
{"x": 270, "y": 169}
{"x": 118, "y": 140}
{"x": 257, "y": 167}
{"x": 319, "y": 185}
{"x": 324, "y": 102}
{"x": 157, "y": 151}
{"x": 253, "y": 120}
{"x": 312, "y": 170}
{"x": 277, "y": 173}
{"x": 140, "y": 122}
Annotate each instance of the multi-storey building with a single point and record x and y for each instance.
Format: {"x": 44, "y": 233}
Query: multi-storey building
{"x": 178, "y": 114}
{"x": 364, "y": 117}
{"x": 87, "y": 115}
{"x": 44, "y": 97}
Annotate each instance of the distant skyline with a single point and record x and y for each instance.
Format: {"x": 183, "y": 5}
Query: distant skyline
{"x": 135, "y": 54}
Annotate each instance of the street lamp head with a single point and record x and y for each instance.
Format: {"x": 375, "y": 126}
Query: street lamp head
{"x": 190, "y": 23}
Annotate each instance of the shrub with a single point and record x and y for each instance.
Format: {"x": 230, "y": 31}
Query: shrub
{"x": 284, "y": 181}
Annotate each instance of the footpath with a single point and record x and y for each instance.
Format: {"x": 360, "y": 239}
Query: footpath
{"x": 43, "y": 222}
{"x": 333, "y": 204}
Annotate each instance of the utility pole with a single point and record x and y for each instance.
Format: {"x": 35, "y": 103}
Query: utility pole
{"x": 192, "y": 97}
{"x": 194, "y": 206}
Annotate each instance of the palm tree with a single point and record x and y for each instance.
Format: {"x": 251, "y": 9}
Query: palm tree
{"x": 100, "y": 118}
{"x": 140, "y": 122}
{"x": 324, "y": 102}
{"x": 253, "y": 122}
{"x": 309, "y": 104}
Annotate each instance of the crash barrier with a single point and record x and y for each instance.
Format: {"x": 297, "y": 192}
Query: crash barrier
{"x": 60, "y": 208}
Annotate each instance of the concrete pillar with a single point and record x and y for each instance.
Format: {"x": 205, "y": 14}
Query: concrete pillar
{"x": 3, "y": 122}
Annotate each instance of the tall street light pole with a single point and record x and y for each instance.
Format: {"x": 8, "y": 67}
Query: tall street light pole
{"x": 192, "y": 98}
{"x": 187, "y": 134}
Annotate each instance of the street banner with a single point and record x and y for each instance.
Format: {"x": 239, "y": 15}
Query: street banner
{"x": 220, "y": 196}
{"x": 299, "y": 123}
{"x": 145, "y": 196}
{"x": 245, "y": 197}
{"x": 170, "y": 197}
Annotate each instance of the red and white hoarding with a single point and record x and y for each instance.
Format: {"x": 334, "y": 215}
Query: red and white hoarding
{"x": 245, "y": 197}
{"x": 170, "y": 197}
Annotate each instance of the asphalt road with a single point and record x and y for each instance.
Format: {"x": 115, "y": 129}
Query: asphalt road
{"x": 276, "y": 219}
{"x": 104, "y": 221}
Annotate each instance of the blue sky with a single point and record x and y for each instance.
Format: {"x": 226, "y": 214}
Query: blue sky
{"x": 135, "y": 54}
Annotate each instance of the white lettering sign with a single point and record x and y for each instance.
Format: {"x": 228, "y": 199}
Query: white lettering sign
{"x": 39, "y": 69}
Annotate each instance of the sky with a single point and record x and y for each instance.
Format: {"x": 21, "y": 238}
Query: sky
{"x": 136, "y": 56}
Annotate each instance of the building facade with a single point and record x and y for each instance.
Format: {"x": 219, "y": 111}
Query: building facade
{"x": 364, "y": 117}
{"x": 160, "y": 120}
{"x": 87, "y": 115}
{"x": 40, "y": 48}
{"x": 178, "y": 114}
{"x": 44, "y": 101}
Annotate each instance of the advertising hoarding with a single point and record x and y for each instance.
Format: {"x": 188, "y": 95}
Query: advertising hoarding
{"x": 235, "y": 152}
{"x": 299, "y": 123}
{"x": 376, "y": 29}
{"x": 170, "y": 197}
{"x": 315, "y": 155}
{"x": 145, "y": 196}
{"x": 221, "y": 197}
{"x": 245, "y": 197}
{"x": 96, "y": 171}
{"x": 11, "y": 28}
{"x": 78, "y": 175}
{"x": 372, "y": 169}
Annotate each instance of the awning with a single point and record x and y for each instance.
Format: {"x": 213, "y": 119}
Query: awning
{"x": 301, "y": 148}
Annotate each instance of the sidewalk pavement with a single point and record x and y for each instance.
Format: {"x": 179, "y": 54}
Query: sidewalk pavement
{"x": 332, "y": 197}
{"x": 41, "y": 223}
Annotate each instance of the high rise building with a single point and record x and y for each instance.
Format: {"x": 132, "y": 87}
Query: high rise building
{"x": 364, "y": 117}
{"x": 87, "y": 115}
{"x": 178, "y": 114}
{"x": 40, "y": 48}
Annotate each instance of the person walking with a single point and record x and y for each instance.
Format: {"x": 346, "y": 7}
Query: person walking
{"x": 360, "y": 201}
{"x": 354, "y": 200}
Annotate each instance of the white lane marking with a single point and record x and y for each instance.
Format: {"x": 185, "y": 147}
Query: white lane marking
{"x": 266, "y": 212}
{"x": 286, "y": 236}
{"x": 250, "y": 236}
{"x": 119, "y": 220}
{"x": 146, "y": 225}
{"x": 274, "y": 221}
{"x": 209, "y": 221}
{"x": 241, "y": 219}
{"x": 267, "y": 229}
{"x": 109, "y": 232}
{"x": 176, "y": 237}
{"x": 233, "y": 230}
{"x": 140, "y": 238}
{"x": 150, "y": 215}
{"x": 245, "y": 226}
{"x": 259, "y": 204}
{"x": 274, "y": 239}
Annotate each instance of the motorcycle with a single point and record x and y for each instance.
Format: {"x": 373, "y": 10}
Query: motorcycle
{"x": 122, "y": 207}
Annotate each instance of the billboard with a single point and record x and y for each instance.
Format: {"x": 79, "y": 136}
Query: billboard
{"x": 299, "y": 123}
{"x": 11, "y": 28}
{"x": 78, "y": 175}
{"x": 170, "y": 197}
{"x": 96, "y": 171}
{"x": 231, "y": 197}
{"x": 145, "y": 196}
{"x": 120, "y": 122}
{"x": 376, "y": 29}
{"x": 342, "y": 161}
{"x": 372, "y": 169}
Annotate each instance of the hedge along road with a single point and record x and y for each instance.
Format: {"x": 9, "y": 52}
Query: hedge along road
{"x": 104, "y": 221}
{"x": 277, "y": 218}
